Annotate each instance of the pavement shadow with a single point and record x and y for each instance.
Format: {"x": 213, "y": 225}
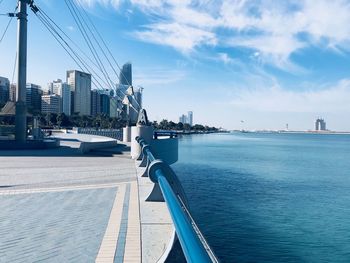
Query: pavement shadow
{"x": 66, "y": 151}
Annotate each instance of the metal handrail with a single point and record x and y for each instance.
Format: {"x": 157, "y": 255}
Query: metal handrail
{"x": 193, "y": 244}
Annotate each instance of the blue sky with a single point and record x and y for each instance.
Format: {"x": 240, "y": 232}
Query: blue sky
{"x": 265, "y": 62}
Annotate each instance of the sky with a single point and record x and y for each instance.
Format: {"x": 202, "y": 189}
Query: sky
{"x": 237, "y": 64}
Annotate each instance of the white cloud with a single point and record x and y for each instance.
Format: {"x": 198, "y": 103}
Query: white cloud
{"x": 224, "y": 57}
{"x": 272, "y": 28}
{"x": 182, "y": 37}
{"x": 333, "y": 99}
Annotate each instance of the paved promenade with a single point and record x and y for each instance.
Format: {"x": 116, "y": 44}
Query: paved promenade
{"x": 59, "y": 205}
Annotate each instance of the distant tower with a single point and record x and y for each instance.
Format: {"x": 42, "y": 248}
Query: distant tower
{"x": 190, "y": 118}
{"x": 320, "y": 124}
{"x": 183, "y": 119}
{"x": 125, "y": 77}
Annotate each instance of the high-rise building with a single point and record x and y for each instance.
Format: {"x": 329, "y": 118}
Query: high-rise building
{"x": 33, "y": 98}
{"x": 50, "y": 88}
{"x": 125, "y": 75}
{"x": 138, "y": 97}
{"x": 183, "y": 119}
{"x": 95, "y": 103}
{"x": 133, "y": 96}
{"x": 63, "y": 90}
{"x": 190, "y": 118}
{"x": 104, "y": 103}
{"x": 113, "y": 107}
{"x": 320, "y": 124}
{"x": 4, "y": 90}
{"x": 51, "y": 104}
{"x": 80, "y": 83}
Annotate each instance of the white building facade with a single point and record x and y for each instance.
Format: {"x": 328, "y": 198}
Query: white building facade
{"x": 64, "y": 91}
{"x": 80, "y": 83}
{"x": 50, "y": 104}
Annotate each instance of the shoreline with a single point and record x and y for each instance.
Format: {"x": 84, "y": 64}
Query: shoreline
{"x": 298, "y": 132}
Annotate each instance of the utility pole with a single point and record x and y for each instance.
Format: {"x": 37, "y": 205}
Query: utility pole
{"x": 21, "y": 107}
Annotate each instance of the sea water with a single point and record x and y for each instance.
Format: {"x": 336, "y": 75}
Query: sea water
{"x": 269, "y": 197}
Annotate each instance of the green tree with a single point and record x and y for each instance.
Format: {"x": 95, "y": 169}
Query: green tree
{"x": 155, "y": 125}
{"x": 180, "y": 126}
{"x": 171, "y": 125}
{"x": 164, "y": 125}
{"x": 187, "y": 127}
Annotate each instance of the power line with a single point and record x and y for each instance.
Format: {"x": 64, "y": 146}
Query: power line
{"x": 77, "y": 59}
{"x": 109, "y": 52}
{"x": 66, "y": 35}
{"x": 95, "y": 29}
{"x": 14, "y": 68}
{"x": 105, "y": 45}
{"x": 87, "y": 68}
{"x": 51, "y": 27}
{"x": 103, "y": 52}
{"x": 79, "y": 21}
{"x": 7, "y": 27}
{"x": 93, "y": 35}
{"x": 70, "y": 51}
{"x": 91, "y": 47}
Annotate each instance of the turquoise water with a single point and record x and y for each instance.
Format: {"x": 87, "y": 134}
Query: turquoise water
{"x": 270, "y": 197}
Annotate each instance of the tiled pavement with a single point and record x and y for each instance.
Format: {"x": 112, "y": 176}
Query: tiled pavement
{"x": 63, "y": 226}
{"x": 58, "y": 207}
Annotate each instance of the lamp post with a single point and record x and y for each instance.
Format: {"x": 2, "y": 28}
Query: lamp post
{"x": 21, "y": 108}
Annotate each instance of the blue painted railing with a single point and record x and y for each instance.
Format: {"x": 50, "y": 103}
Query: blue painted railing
{"x": 193, "y": 244}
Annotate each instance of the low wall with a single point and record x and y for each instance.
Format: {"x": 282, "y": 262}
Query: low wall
{"x": 111, "y": 133}
{"x": 86, "y": 147}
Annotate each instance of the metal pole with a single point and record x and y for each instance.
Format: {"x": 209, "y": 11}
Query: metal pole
{"x": 128, "y": 115}
{"x": 21, "y": 109}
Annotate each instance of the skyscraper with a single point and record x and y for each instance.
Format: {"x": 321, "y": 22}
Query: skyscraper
{"x": 190, "y": 118}
{"x": 4, "y": 90}
{"x": 95, "y": 103}
{"x": 33, "y": 98}
{"x": 113, "y": 107}
{"x": 80, "y": 83}
{"x": 183, "y": 119}
{"x": 104, "y": 103}
{"x": 51, "y": 104}
{"x": 64, "y": 92}
{"x": 126, "y": 75}
{"x": 320, "y": 125}
{"x": 134, "y": 96}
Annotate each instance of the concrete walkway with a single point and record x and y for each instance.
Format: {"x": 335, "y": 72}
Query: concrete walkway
{"x": 61, "y": 206}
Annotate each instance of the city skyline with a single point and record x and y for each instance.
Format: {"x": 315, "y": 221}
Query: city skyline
{"x": 228, "y": 61}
